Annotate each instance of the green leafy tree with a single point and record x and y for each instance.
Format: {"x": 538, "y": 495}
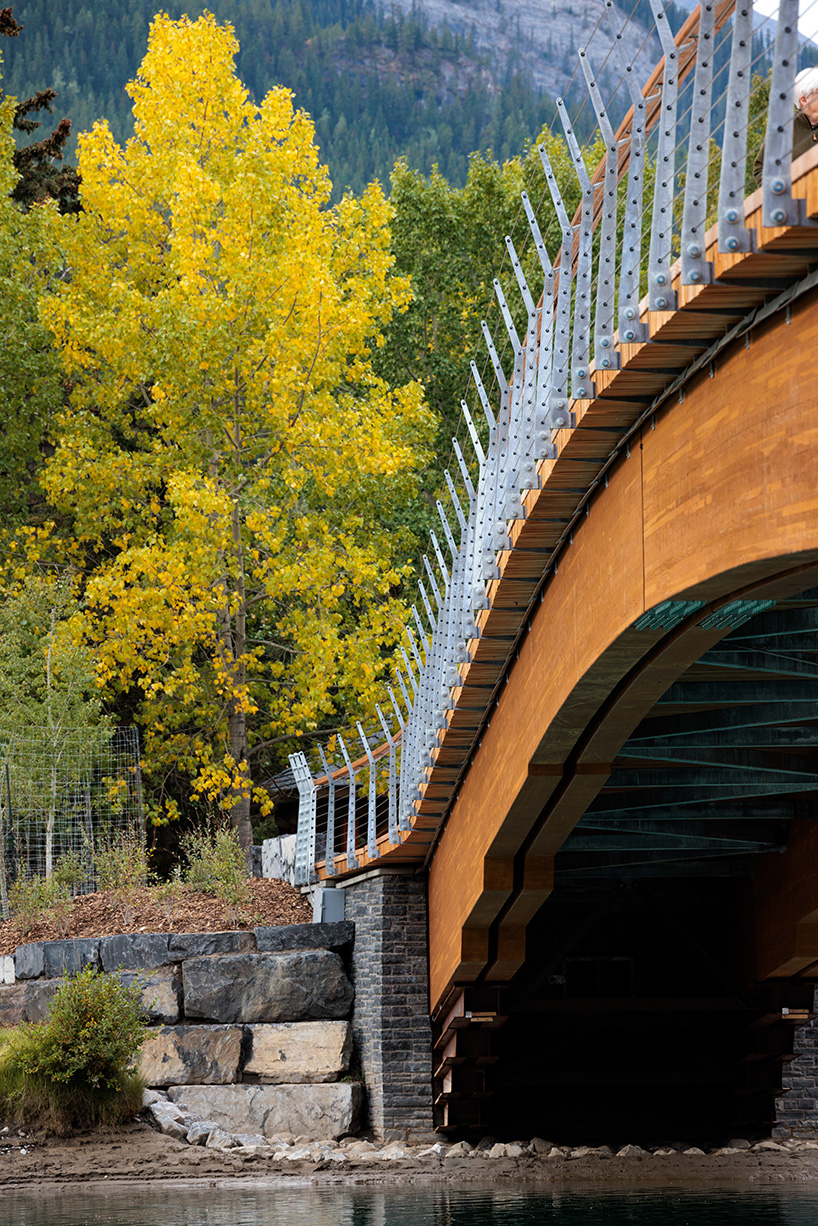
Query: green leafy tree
{"x": 30, "y": 377}
{"x": 48, "y": 694}
{"x": 451, "y": 242}
{"x": 41, "y": 177}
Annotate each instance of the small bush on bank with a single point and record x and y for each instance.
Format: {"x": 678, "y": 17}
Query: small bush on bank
{"x": 170, "y": 894}
{"x": 217, "y": 864}
{"x": 121, "y": 866}
{"x": 75, "y": 1070}
{"x": 31, "y": 899}
{"x": 34, "y": 899}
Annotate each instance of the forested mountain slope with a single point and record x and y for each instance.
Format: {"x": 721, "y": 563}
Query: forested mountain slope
{"x": 431, "y": 82}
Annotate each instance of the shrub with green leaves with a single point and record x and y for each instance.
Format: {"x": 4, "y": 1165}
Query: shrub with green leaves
{"x": 169, "y": 894}
{"x": 76, "y": 1069}
{"x": 121, "y": 866}
{"x": 217, "y": 864}
{"x": 121, "y": 861}
{"x": 31, "y": 900}
{"x": 71, "y": 871}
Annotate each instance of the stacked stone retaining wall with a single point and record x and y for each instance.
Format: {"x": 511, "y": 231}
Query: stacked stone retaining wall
{"x": 250, "y": 1029}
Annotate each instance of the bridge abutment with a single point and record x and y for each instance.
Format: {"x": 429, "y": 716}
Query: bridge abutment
{"x": 391, "y": 1027}
{"x": 796, "y": 1110}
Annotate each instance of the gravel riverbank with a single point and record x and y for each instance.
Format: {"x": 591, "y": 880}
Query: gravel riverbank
{"x": 138, "y": 1153}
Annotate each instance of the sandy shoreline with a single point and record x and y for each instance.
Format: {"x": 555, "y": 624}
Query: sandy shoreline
{"x": 138, "y": 1156}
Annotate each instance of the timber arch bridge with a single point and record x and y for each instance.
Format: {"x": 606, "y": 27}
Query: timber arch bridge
{"x": 606, "y": 753}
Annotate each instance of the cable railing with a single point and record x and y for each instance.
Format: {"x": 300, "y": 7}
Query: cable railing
{"x": 644, "y": 210}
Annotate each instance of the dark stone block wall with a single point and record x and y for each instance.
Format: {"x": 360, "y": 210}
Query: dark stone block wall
{"x": 796, "y": 1110}
{"x": 390, "y": 1023}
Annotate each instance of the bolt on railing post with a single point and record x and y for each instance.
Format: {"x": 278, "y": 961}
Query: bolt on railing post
{"x": 406, "y": 793}
{"x": 542, "y": 445}
{"x": 605, "y": 355}
{"x": 559, "y": 416}
{"x": 352, "y": 859}
{"x": 630, "y": 329}
{"x": 372, "y": 804}
{"x": 581, "y": 385}
{"x": 392, "y": 817}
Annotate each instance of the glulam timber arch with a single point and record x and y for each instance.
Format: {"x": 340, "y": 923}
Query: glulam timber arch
{"x": 714, "y": 500}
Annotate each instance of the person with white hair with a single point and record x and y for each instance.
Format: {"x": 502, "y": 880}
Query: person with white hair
{"x": 805, "y": 122}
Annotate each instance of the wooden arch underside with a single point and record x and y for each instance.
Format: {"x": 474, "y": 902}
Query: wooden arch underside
{"x": 713, "y": 500}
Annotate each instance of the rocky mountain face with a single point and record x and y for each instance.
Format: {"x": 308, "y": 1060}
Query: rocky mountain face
{"x": 540, "y": 38}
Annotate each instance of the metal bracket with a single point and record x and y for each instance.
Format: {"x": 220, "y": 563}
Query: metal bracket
{"x": 778, "y": 208}
{"x": 733, "y": 235}
{"x": 696, "y": 270}
{"x": 660, "y": 296}
{"x": 606, "y": 356}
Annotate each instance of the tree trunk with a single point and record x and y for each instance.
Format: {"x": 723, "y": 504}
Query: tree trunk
{"x": 4, "y": 897}
{"x": 50, "y": 819}
{"x": 234, "y": 637}
{"x": 240, "y": 809}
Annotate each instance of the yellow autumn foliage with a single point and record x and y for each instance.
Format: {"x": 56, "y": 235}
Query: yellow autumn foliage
{"x": 228, "y": 461}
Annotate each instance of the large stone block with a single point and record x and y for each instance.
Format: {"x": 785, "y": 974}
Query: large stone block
{"x": 321, "y": 1112}
{"x": 29, "y": 960}
{"x": 202, "y": 944}
{"x": 161, "y": 994}
{"x": 7, "y": 968}
{"x": 129, "y": 951}
{"x": 291, "y": 987}
{"x": 201, "y": 1055}
{"x": 12, "y": 1004}
{"x": 39, "y": 995}
{"x": 304, "y": 936}
{"x": 299, "y": 1052}
{"x": 70, "y": 957}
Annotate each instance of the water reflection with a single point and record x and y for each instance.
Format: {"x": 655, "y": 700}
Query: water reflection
{"x": 504, "y": 1206}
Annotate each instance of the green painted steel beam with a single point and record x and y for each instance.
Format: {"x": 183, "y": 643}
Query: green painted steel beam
{"x": 702, "y": 810}
{"x": 724, "y": 759}
{"x": 683, "y": 827}
{"x": 793, "y": 736}
{"x": 777, "y": 624}
{"x": 660, "y": 801}
{"x": 728, "y": 693}
{"x": 704, "y": 777}
{"x": 759, "y": 715}
{"x": 773, "y": 663}
{"x": 601, "y": 843}
{"x": 660, "y": 864}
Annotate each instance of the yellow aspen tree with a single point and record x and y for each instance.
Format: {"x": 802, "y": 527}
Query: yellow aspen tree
{"x": 229, "y": 460}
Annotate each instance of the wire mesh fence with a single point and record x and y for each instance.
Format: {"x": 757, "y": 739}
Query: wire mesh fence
{"x": 66, "y": 794}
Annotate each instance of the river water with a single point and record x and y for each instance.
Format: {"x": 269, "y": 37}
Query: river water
{"x": 508, "y": 1206}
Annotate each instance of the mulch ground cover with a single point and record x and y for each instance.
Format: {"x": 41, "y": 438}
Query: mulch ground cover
{"x": 270, "y": 903}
